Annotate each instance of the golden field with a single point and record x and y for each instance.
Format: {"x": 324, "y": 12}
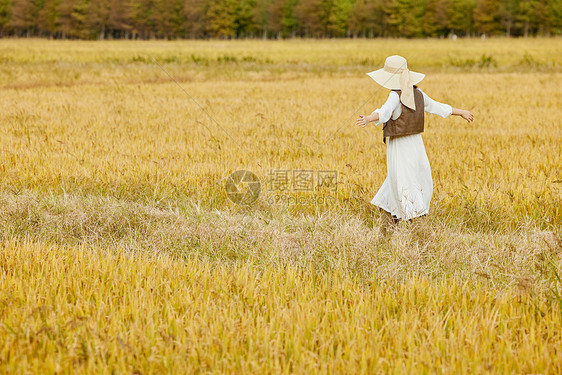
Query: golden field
{"x": 122, "y": 253}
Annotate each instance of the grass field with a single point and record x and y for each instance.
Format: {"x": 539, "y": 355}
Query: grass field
{"x": 121, "y": 251}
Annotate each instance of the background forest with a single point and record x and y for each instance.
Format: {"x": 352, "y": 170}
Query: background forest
{"x": 171, "y": 19}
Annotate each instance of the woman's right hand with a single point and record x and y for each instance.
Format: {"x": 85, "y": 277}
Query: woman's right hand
{"x": 362, "y": 121}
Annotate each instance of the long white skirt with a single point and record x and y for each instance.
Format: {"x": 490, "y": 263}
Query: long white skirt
{"x": 406, "y": 191}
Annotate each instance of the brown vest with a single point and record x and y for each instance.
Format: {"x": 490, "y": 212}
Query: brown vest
{"x": 409, "y": 122}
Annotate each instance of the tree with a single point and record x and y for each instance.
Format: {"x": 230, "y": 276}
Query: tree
{"x": 97, "y": 18}
{"x": 460, "y": 15}
{"x": 142, "y": 18}
{"x": 195, "y": 12}
{"x": 89, "y": 19}
{"x": 289, "y": 20}
{"x": 338, "y": 18}
{"x": 368, "y": 18}
{"x": 552, "y": 20}
{"x": 71, "y": 18}
{"x": 262, "y": 18}
{"x": 507, "y": 10}
{"x": 405, "y": 17}
{"x": 310, "y": 18}
{"x": 245, "y": 18}
{"x": 221, "y": 18}
{"x": 5, "y": 15}
{"x": 436, "y": 19}
{"x": 22, "y": 17}
{"x": 162, "y": 14}
{"x": 120, "y": 18}
{"x": 47, "y": 17}
{"x": 487, "y": 17}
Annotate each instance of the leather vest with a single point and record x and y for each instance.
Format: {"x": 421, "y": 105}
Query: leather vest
{"x": 409, "y": 122}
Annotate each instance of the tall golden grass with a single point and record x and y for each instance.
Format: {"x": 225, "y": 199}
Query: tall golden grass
{"x": 73, "y": 310}
{"x": 122, "y": 253}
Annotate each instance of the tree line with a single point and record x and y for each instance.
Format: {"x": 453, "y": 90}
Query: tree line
{"x": 171, "y": 19}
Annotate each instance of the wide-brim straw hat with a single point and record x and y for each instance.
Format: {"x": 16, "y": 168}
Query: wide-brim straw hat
{"x": 389, "y": 76}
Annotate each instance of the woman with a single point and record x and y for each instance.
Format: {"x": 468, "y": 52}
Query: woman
{"x": 406, "y": 191}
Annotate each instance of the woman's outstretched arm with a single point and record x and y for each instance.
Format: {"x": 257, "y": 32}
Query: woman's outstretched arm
{"x": 463, "y": 113}
{"x": 362, "y": 121}
{"x": 444, "y": 110}
{"x": 382, "y": 114}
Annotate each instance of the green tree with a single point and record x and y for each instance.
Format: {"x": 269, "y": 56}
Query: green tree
{"x": 47, "y": 17}
{"x": 221, "y": 18}
{"x": 5, "y": 14}
{"x": 405, "y": 17}
{"x": 552, "y": 20}
{"x": 245, "y": 18}
{"x": 167, "y": 18}
{"x": 460, "y": 15}
{"x": 262, "y": 18}
{"x": 487, "y": 19}
{"x": 338, "y": 17}
{"x": 289, "y": 20}
{"x": 507, "y": 13}
{"x": 71, "y": 19}
{"x": 436, "y": 19}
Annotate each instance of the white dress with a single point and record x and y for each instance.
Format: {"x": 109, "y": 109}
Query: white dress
{"x": 406, "y": 191}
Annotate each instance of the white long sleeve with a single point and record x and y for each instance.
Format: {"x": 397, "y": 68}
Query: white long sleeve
{"x": 392, "y": 108}
{"x": 435, "y": 107}
{"x": 388, "y": 108}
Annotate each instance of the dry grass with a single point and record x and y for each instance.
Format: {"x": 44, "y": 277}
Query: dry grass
{"x": 431, "y": 247}
{"x": 122, "y": 253}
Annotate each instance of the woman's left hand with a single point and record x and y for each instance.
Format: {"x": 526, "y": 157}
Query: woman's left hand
{"x": 467, "y": 116}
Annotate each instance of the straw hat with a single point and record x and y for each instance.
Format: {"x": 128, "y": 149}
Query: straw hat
{"x": 396, "y": 76}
